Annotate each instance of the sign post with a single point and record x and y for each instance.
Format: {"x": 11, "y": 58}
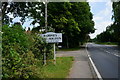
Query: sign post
{"x": 44, "y": 57}
{"x": 54, "y": 54}
{"x": 52, "y": 37}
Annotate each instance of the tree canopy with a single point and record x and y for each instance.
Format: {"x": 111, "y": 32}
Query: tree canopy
{"x": 74, "y": 20}
{"x": 116, "y": 16}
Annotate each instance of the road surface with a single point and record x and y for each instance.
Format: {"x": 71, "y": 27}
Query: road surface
{"x": 106, "y": 59}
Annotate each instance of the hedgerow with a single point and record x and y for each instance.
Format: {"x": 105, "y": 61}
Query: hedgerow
{"x": 22, "y": 53}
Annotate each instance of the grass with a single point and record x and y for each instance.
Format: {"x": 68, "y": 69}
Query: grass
{"x": 60, "y": 70}
{"x": 69, "y": 49}
{"x": 106, "y": 43}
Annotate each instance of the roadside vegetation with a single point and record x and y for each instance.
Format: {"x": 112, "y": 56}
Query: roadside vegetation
{"x": 69, "y": 49}
{"x": 106, "y": 43}
{"x": 112, "y": 34}
{"x": 73, "y": 20}
{"x": 60, "y": 70}
{"x": 22, "y": 56}
{"x": 22, "y": 51}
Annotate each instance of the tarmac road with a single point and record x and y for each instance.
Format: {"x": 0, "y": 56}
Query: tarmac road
{"x": 106, "y": 59}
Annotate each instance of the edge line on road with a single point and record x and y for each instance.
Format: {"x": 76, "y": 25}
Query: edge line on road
{"x": 93, "y": 65}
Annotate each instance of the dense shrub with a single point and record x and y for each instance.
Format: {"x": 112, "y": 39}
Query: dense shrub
{"x": 39, "y": 47}
{"x": 14, "y": 37}
{"x": 22, "y": 53}
{"x": 15, "y": 44}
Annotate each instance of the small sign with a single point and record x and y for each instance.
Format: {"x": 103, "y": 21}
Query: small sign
{"x": 52, "y": 37}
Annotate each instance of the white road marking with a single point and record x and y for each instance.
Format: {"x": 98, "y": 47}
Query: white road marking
{"x": 110, "y": 52}
{"x": 107, "y": 51}
{"x": 96, "y": 70}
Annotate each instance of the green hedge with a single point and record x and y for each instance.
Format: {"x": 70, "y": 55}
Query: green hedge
{"x": 22, "y": 53}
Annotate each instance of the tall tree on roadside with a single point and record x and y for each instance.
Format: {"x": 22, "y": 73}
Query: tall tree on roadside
{"x": 116, "y": 16}
{"x": 74, "y": 20}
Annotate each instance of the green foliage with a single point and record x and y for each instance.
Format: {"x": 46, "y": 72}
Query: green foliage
{"x": 107, "y": 43}
{"x": 23, "y": 10}
{"x": 107, "y": 36}
{"x": 11, "y": 63}
{"x": 116, "y": 24}
{"x": 63, "y": 65}
{"x": 15, "y": 37}
{"x": 70, "y": 49}
{"x": 21, "y": 54}
{"x": 39, "y": 47}
{"x": 15, "y": 43}
{"x": 0, "y": 42}
{"x": 73, "y": 20}
{"x": 17, "y": 66}
{"x": 112, "y": 33}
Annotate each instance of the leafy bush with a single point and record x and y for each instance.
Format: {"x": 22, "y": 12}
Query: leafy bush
{"x": 40, "y": 47}
{"x": 23, "y": 53}
{"x": 18, "y": 60}
{"x": 21, "y": 67}
{"x": 15, "y": 37}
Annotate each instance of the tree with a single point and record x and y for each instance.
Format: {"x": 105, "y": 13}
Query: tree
{"x": 113, "y": 31}
{"x": 74, "y": 20}
{"x": 116, "y": 16}
{"x": 108, "y": 35}
{"x": 23, "y": 10}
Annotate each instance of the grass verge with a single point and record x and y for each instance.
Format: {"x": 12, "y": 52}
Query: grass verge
{"x": 106, "y": 43}
{"x": 60, "y": 70}
{"x": 69, "y": 49}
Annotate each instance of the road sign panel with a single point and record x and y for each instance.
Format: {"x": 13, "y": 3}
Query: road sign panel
{"x": 52, "y": 37}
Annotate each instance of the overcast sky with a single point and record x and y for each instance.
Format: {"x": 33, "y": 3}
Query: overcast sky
{"x": 102, "y": 14}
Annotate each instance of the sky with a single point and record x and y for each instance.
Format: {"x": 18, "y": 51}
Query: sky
{"x": 102, "y": 14}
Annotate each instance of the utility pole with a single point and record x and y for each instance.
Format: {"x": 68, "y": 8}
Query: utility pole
{"x": 46, "y": 15}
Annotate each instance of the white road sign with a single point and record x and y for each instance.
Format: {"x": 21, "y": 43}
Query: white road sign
{"x": 52, "y": 37}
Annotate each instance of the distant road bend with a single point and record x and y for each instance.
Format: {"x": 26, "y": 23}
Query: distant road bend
{"x": 106, "y": 59}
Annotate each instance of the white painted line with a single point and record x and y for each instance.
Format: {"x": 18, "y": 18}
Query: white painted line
{"x": 107, "y": 51}
{"x": 96, "y": 70}
{"x": 110, "y": 52}
{"x": 116, "y": 55}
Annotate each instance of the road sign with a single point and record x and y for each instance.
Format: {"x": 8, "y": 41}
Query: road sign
{"x": 52, "y": 37}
